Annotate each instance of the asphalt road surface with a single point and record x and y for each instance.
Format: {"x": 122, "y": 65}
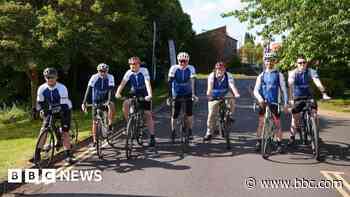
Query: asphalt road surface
{"x": 211, "y": 170}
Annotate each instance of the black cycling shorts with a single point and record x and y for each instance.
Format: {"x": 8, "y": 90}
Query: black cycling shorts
{"x": 94, "y": 111}
{"x": 273, "y": 108}
{"x": 300, "y": 104}
{"x": 65, "y": 118}
{"x": 145, "y": 105}
{"x": 177, "y": 106}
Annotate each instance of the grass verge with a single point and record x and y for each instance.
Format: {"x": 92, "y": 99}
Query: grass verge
{"x": 18, "y": 133}
{"x": 337, "y": 105}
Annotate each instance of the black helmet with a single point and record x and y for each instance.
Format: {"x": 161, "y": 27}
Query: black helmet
{"x": 50, "y": 72}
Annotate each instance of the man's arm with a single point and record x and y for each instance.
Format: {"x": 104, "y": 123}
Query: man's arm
{"x": 233, "y": 86}
{"x": 40, "y": 100}
{"x": 318, "y": 83}
{"x": 148, "y": 87}
{"x": 88, "y": 89}
{"x": 120, "y": 88}
{"x": 291, "y": 84}
{"x": 193, "y": 80}
{"x": 257, "y": 89}
{"x": 283, "y": 89}
{"x": 210, "y": 86}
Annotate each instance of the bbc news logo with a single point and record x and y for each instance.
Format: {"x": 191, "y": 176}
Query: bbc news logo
{"x": 48, "y": 176}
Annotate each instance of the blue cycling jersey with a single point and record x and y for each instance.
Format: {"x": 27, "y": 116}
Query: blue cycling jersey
{"x": 100, "y": 87}
{"x": 181, "y": 84}
{"x": 137, "y": 81}
{"x": 56, "y": 95}
{"x": 270, "y": 83}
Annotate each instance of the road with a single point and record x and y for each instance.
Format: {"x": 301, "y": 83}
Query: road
{"x": 210, "y": 169}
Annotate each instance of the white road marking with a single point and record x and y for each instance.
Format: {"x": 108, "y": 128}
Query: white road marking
{"x": 342, "y": 191}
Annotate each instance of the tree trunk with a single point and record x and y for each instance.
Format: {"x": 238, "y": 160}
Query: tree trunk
{"x": 34, "y": 80}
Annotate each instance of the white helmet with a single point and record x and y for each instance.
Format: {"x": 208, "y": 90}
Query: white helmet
{"x": 102, "y": 66}
{"x": 183, "y": 56}
{"x": 270, "y": 56}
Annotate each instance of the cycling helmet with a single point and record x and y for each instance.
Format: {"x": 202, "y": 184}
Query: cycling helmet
{"x": 103, "y": 67}
{"x": 134, "y": 60}
{"x": 50, "y": 72}
{"x": 183, "y": 56}
{"x": 220, "y": 65}
{"x": 270, "y": 56}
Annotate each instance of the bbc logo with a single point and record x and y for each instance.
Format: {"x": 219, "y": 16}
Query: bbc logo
{"x": 48, "y": 176}
{"x": 31, "y": 176}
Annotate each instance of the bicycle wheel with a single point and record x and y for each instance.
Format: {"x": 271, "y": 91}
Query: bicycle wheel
{"x": 315, "y": 140}
{"x": 183, "y": 137}
{"x": 227, "y": 136}
{"x": 73, "y": 132}
{"x": 267, "y": 140}
{"x": 140, "y": 132}
{"x": 99, "y": 140}
{"x": 130, "y": 129}
{"x": 45, "y": 146}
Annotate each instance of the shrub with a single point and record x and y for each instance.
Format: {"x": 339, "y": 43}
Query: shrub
{"x": 13, "y": 114}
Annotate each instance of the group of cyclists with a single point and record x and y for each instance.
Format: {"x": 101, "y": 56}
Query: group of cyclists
{"x": 181, "y": 80}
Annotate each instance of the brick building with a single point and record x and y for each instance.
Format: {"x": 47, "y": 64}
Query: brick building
{"x": 212, "y": 46}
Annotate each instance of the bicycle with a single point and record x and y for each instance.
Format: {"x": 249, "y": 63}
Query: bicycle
{"x": 135, "y": 125}
{"x": 46, "y": 145}
{"x": 309, "y": 128}
{"x": 181, "y": 124}
{"x": 268, "y": 131}
{"x": 101, "y": 126}
{"x": 224, "y": 120}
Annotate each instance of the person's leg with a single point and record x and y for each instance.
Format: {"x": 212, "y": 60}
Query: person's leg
{"x": 94, "y": 125}
{"x": 149, "y": 122}
{"x": 213, "y": 109}
{"x": 260, "y": 127}
{"x": 126, "y": 104}
{"x": 175, "y": 110}
{"x": 189, "y": 118}
{"x": 111, "y": 114}
{"x": 65, "y": 125}
{"x": 295, "y": 125}
{"x": 277, "y": 122}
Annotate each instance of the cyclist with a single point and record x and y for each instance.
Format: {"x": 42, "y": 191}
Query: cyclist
{"x": 140, "y": 83}
{"x": 181, "y": 80}
{"x": 100, "y": 88}
{"x": 266, "y": 91}
{"x": 299, "y": 81}
{"x": 53, "y": 94}
{"x": 220, "y": 84}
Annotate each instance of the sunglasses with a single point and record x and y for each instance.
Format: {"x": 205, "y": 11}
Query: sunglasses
{"x": 301, "y": 62}
{"x": 50, "y": 77}
{"x": 102, "y": 71}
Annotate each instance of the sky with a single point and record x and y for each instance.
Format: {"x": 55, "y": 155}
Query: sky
{"x": 205, "y": 15}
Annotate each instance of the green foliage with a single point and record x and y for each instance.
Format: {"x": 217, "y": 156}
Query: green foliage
{"x": 318, "y": 29}
{"x": 75, "y": 35}
{"x": 235, "y": 62}
{"x": 251, "y": 53}
{"x": 13, "y": 114}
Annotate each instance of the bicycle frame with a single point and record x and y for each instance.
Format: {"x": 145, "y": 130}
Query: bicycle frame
{"x": 310, "y": 127}
{"x": 136, "y": 113}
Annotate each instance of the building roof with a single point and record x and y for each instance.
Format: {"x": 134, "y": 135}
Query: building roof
{"x": 222, "y": 29}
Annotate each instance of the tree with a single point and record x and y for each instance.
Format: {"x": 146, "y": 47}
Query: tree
{"x": 318, "y": 29}
{"x": 18, "y": 48}
{"x": 74, "y": 36}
